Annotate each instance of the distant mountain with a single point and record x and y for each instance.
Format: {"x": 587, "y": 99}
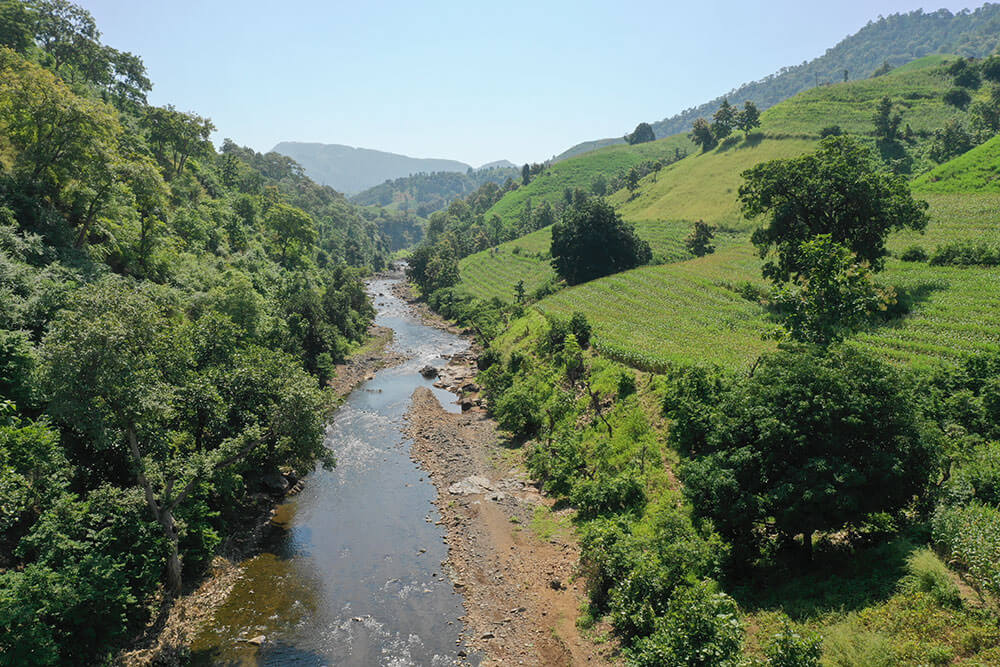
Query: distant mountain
{"x": 351, "y": 170}
{"x": 895, "y": 39}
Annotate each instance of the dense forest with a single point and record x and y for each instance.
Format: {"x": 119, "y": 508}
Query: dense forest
{"x": 169, "y": 314}
{"x": 425, "y": 193}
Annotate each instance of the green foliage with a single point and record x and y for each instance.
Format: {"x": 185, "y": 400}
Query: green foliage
{"x": 811, "y": 440}
{"x": 703, "y": 135}
{"x": 927, "y": 574}
{"x": 748, "y": 118}
{"x": 950, "y": 141}
{"x": 832, "y": 296}
{"x": 914, "y": 253}
{"x": 790, "y": 647}
{"x": 699, "y": 241}
{"x": 700, "y": 627}
{"x": 970, "y": 535}
{"x": 642, "y": 134}
{"x": 958, "y": 98}
{"x": 847, "y": 645}
{"x": 839, "y": 190}
{"x": 592, "y": 241}
{"x": 966, "y": 253}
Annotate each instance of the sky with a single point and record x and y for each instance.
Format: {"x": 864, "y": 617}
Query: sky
{"x": 472, "y": 81}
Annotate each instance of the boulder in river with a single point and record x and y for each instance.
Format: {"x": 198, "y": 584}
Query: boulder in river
{"x": 429, "y": 371}
{"x": 275, "y": 482}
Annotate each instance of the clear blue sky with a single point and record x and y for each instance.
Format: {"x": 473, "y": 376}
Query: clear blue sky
{"x": 473, "y": 81}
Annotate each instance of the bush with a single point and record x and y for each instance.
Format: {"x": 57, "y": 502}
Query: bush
{"x": 580, "y": 327}
{"x": 830, "y": 131}
{"x": 790, "y": 648}
{"x": 591, "y": 240}
{"x": 848, "y": 644}
{"x": 626, "y": 385}
{"x": 700, "y": 627}
{"x": 966, "y": 253}
{"x": 927, "y": 574}
{"x": 914, "y": 253}
{"x": 519, "y": 409}
{"x": 978, "y": 476}
{"x": 608, "y": 495}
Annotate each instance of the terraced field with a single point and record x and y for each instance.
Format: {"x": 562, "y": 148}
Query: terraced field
{"x": 494, "y": 273}
{"x": 688, "y": 312}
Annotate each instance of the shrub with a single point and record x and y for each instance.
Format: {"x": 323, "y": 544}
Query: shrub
{"x": 848, "y": 644}
{"x": 966, "y": 253}
{"x": 580, "y": 327}
{"x": 830, "y": 131}
{"x": 927, "y": 574}
{"x": 608, "y": 495}
{"x": 488, "y": 358}
{"x": 791, "y": 648}
{"x": 626, "y": 385}
{"x": 914, "y": 253}
{"x": 700, "y": 627}
{"x": 519, "y": 409}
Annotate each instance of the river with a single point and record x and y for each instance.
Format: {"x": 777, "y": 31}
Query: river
{"x": 351, "y": 570}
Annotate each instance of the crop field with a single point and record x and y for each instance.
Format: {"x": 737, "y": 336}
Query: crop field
{"x": 494, "y": 273}
{"x": 916, "y": 91}
{"x": 688, "y": 312}
{"x": 975, "y": 171}
{"x": 704, "y": 186}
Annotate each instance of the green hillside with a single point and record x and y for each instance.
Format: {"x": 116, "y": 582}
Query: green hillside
{"x": 703, "y": 186}
{"x": 975, "y": 171}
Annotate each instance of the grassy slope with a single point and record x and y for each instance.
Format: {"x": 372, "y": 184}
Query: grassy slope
{"x": 701, "y": 186}
{"x": 975, "y": 171}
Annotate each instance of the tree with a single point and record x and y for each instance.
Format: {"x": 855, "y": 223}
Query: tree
{"x": 175, "y": 137}
{"x": 748, "y": 118}
{"x": 15, "y": 26}
{"x": 702, "y": 135}
{"x": 519, "y": 292}
{"x": 950, "y": 141}
{"x": 840, "y": 190}
{"x": 887, "y": 122}
{"x": 525, "y": 174}
{"x": 699, "y": 241}
{"x": 964, "y": 74}
{"x": 643, "y": 132}
{"x": 990, "y": 69}
{"x": 812, "y": 441}
{"x": 591, "y": 240}
{"x": 958, "y": 98}
{"x": 123, "y": 370}
{"x": 833, "y": 296}
{"x": 724, "y": 119}
{"x": 632, "y": 180}
{"x": 291, "y": 229}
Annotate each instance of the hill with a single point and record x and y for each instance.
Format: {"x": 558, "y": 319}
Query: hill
{"x": 351, "y": 170}
{"x": 896, "y": 39}
{"x": 975, "y": 171}
{"x": 702, "y": 186}
{"x": 425, "y": 193}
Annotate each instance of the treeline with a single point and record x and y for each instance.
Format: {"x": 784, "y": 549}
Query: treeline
{"x": 169, "y": 315}
{"x": 895, "y": 39}
{"x": 423, "y": 194}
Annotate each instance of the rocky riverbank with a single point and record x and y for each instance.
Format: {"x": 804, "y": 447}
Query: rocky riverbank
{"x": 510, "y": 553}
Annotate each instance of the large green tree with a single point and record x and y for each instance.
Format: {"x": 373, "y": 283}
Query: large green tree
{"x": 591, "y": 240}
{"x": 841, "y": 190}
{"x": 139, "y": 381}
{"x": 812, "y": 441}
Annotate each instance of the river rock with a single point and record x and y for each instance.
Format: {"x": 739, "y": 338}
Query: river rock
{"x": 275, "y": 482}
{"x": 474, "y": 484}
{"x": 429, "y": 371}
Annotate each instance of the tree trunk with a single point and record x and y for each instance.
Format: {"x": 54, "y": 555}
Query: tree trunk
{"x": 807, "y": 545}
{"x": 173, "y": 557}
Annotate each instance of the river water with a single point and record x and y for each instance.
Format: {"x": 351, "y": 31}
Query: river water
{"x": 351, "y": 573}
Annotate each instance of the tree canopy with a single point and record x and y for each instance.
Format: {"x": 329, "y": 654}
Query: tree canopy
{"x": 840, "y": 189}
{"x": 591, "y": 240}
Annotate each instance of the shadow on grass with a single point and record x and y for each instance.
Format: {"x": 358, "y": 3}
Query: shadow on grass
{"x": 740, "y": 142}
{"x": 838, "y": 580}
{"x": 908, "y": 298}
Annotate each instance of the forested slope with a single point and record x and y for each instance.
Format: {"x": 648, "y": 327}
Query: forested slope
{"x": 169, "y": 315}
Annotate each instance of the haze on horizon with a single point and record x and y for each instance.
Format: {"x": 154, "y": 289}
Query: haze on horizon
{"x": 472, "y": 83}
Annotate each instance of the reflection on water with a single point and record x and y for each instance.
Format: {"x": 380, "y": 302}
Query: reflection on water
{"x": 351, "y": 573}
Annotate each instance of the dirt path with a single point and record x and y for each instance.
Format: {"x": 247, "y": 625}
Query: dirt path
{"x": 508, "y": 553}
